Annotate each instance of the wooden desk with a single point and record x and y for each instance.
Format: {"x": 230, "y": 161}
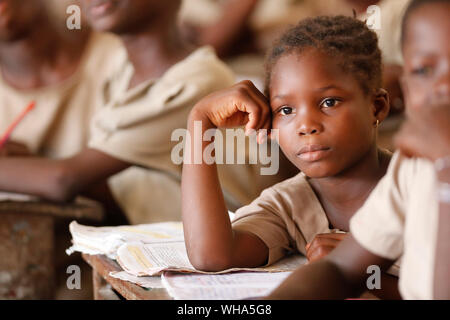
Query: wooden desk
{"x": 27, "y": 243}
{"x": 102, "y": 266}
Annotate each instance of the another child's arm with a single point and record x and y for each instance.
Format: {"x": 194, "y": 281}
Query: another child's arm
{"x": 57, "y": 180}
{"x": 211, "y": 242}
{"x": 340, "y": 275}
{"x": 324, "y": 244}
{"x": 14, "y": 149}
{"x": 432, "y": 123}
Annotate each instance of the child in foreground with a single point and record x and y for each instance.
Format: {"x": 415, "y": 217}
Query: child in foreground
{"x": 408, "y": 214}
{"x": 325, "y": 98}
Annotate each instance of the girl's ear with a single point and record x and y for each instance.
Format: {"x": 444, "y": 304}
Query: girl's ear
{"x": 381, "y": 105}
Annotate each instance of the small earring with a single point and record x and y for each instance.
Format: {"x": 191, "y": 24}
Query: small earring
{"x": 377, "y": 123}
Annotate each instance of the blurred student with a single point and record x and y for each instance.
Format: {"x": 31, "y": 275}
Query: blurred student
{"x": 158, "y": 80}
{"x": 62, "y": 74}
{"x": 408, "y": 213}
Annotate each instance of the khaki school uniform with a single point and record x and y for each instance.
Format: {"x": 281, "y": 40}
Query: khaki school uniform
{"x": 285, "y": 217}
{"x": 58, "y": 126}
{"x": 136, "y": 126}
{"x": 400, "y": 219}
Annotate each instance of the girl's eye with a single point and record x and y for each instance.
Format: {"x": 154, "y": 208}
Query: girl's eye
{"x": 328, "y": 103}
{"x": 285, "y": 111}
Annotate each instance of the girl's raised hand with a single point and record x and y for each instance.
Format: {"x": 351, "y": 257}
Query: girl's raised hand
{"x": 239, "y": 105}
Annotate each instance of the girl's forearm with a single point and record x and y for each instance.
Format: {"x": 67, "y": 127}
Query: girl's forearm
{"x": 207, "y": 227}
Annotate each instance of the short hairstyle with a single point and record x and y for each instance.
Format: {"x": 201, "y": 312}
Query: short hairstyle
{"x": 348, "y": 39}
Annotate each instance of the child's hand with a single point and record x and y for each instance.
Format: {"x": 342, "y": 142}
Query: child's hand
{"x": 14, "y": 149}
{"x": 322, "y": 245}
{"x": 242, "y": 104}
{"x": 426, "y": 132}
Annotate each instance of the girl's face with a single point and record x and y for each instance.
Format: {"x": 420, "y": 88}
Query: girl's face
{"x": 326, "y": 122}
{"x": 426, "y": 52}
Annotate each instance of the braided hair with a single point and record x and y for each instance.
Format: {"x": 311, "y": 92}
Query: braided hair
{"x": 345, "y": 38}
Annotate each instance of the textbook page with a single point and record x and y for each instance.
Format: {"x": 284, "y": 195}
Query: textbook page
{"x": 145, "y": 282}
{"x": 152, "y": 259}
{"x": 106, "y": 240}
{"x": 231, "y": 286}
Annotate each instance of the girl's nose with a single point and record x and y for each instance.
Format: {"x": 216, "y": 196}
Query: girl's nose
{"x": 308, "y": 123}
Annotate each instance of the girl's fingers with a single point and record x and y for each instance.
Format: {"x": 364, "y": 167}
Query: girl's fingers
{"x": 264, "y": 131}
{"x": 319, "y": 253}
{"x": 262, "y": 102}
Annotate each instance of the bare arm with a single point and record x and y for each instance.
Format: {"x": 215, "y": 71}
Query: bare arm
{"x": 425, "y": 124}
{"x": 210, "y": 240}
{"x": 442, "y": 254}
{"x": 57, "y": 180}
{"x": 342, "y": 274}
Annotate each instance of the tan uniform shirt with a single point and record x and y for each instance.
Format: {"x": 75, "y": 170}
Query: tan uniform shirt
{"x": 400, "y": 220}
{"x": 136, "y": 126}
{"x": 59, "y": 124}
{"x": 285, "y": 217}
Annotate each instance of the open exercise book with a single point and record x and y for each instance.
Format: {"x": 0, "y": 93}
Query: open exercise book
{"x": 147, "y": 251}
{"x": 150, "y": 249}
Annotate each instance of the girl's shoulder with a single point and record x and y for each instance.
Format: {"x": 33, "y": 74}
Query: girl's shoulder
{"x": 292, "y": 188}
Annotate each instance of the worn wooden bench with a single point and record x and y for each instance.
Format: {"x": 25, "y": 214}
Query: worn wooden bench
{"x": 109, "y": 288}
{"x": 27, "y": 243}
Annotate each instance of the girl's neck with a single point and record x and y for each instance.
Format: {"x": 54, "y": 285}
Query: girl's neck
{"x": 154, "y": 50}
{"x": 342, "y": 195}
{"x": 44, "y": 57}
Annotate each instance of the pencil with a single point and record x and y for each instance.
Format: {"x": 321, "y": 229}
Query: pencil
{"x": 4, "y": 138}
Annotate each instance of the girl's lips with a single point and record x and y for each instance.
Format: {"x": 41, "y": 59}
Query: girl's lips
{"x": 312, "y": 153}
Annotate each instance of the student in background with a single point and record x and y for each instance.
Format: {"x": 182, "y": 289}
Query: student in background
{"x": 327, "y": 101}
{"x": 62, "y": 72}
{"x": 158, "y": 80}
{"x": 408, "y": 212}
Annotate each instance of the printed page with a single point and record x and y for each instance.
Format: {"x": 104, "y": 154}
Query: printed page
{"x": 145, "y": 282}
{"x": 232, "y": 286}
{"x": 107, "y": 240}
{"x": 151, "y": 259}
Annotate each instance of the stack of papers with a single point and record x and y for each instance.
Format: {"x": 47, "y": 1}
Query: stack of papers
{"x": 145, "y": 252}
{"x": 107, "y": 240}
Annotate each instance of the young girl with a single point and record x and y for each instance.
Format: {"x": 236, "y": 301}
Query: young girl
{"x": 326, "y": 100}
{"x": 408, "y": 214}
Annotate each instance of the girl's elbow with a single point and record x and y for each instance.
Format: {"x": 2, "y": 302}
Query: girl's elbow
{"x": 211, "y": 262}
